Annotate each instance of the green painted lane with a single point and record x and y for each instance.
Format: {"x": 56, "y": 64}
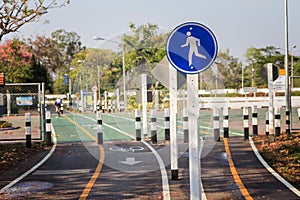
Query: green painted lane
{"x": 120, "y": 117}
{"x": 65, "y": 130}
{"x": 113, "y": 129}
{"x": 121, "y": 126}
{"x": 206, "y": 123}
{"x": 117, "y": 126}
{"x": 126, "y": 122}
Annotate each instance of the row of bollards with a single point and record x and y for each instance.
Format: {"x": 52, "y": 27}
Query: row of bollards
{"x": 216, "y": 125}
{"x": 28, "y": 129}
{"x": 277, "y": 119}
{"x": 154, "y": 125}
{"x": 110, "y": 107}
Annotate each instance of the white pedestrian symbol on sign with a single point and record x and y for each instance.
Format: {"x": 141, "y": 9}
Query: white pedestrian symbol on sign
{"x": 193, "y": 44}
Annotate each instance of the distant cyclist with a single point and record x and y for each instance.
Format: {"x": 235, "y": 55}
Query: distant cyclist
{"x": 58, "y": 104}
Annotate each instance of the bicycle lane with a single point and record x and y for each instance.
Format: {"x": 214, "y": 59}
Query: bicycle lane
{"x": 232, "y": 171}
{"x": 65, "y": 174}
{"x": 260, "y": 183}
{"x": 131, "y": 169}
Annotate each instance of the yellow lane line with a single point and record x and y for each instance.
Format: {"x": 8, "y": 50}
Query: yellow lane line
{"x": 96, "y": 174}
{"x": 234, "y": 173}
{"x": 83, "y": 129}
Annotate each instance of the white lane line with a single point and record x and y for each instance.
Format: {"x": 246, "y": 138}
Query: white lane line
{"x": 36, "y": 166}
{"x": 270, "y": 169}
{"x": 164, "y": 176}
{"x": 62, "y": 172}
{"x": 203, "y": 192}
{"x": 265, "y": 164}
{"x": 202, "y": 188}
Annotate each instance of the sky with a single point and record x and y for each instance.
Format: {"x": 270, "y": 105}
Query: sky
{"x": 237, "y": 24}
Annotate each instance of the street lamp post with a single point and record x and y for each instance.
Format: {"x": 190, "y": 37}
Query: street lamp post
{"x": 70, "y": 88}
{"x": 124, "y": 77}
{"x": 243, "y": 78}
{"x": 292, "y": 66}
{"x": 123, "y": 69}
{"x": 82, "y": 95}
{"x": 287, "y": 77}
{"x": 98, "y": 82}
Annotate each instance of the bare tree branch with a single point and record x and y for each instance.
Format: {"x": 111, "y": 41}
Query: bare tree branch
{"x": 16, "y": 13}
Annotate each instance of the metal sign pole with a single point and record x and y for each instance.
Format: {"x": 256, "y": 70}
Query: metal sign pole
{"x": 144, "y": 104}
{"x": 194, "y": 142}
{"x": 95, "y": 100}
{"x": 184, "y": 54}
{"x": 271, "y": 98}
{"x": 173, "y": 122}
{"x": 286, "y": 67}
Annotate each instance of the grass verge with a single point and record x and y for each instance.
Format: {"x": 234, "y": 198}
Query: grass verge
{"x": 283, "y": 155}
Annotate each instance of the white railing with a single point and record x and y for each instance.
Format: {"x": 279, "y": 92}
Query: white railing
{"x": 239, "y": 102}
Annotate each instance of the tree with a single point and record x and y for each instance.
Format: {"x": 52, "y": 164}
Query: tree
{"x": 16, "y": 60}
{"x": 145, "y": 46}
{"x": 144, "y": 49}
{"x": 56, "y": 54}
{"x": 16, "y": 13}
{"x": 255, "y": 72}
{"x": 230, "y": 69}
{"x": 68, "y": 43}
{"x": 98, "y": 66}
{"x": 19, "y": 64}
{"x": 47, "y": 53}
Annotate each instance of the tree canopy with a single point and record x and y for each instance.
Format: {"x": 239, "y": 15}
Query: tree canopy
{"x": 256, "y": 58}
{"x": 16, "y": 61}
{"x": 47, "y": 59}
{"x": 19, "y": 64}
{"x": 146, "y": 46}
{"x": 230, "y": 69}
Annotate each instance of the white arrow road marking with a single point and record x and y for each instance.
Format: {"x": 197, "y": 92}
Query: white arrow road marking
{"x": 130, "y": 161}
{"x": 164, "y": 175}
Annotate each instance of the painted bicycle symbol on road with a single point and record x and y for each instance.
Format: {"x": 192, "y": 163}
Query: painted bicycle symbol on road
{"x": 127, "y": 149}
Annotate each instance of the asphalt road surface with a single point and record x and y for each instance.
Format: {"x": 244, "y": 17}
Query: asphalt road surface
{"x": 123, "y": 168}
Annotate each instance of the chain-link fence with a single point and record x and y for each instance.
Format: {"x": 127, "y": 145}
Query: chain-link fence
{"x": 15, "y": 101}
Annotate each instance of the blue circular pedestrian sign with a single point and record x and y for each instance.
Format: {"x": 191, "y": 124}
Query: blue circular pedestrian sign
{"x": 191, "y": 47}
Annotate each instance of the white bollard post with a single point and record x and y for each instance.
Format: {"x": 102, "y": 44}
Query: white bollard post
{"x": 216, "y": 124}
{"x": 167, "y": 124}
{"x": 138, "y": 132}
{"x": 225, "y": 122}
{"x": 99, "y": 128}
{"x": 277, "y": 121}
{"x": 153, "y": 127}
{"x": 246, "y": 123}
{"x": 48, "y": 127}
{"x": 28, "y": 130}
{"x": 267, "y": 123}
{"x": 254, "y": 120}
{"x": 62, "y": 109}
{"x": 103, "y": 106}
